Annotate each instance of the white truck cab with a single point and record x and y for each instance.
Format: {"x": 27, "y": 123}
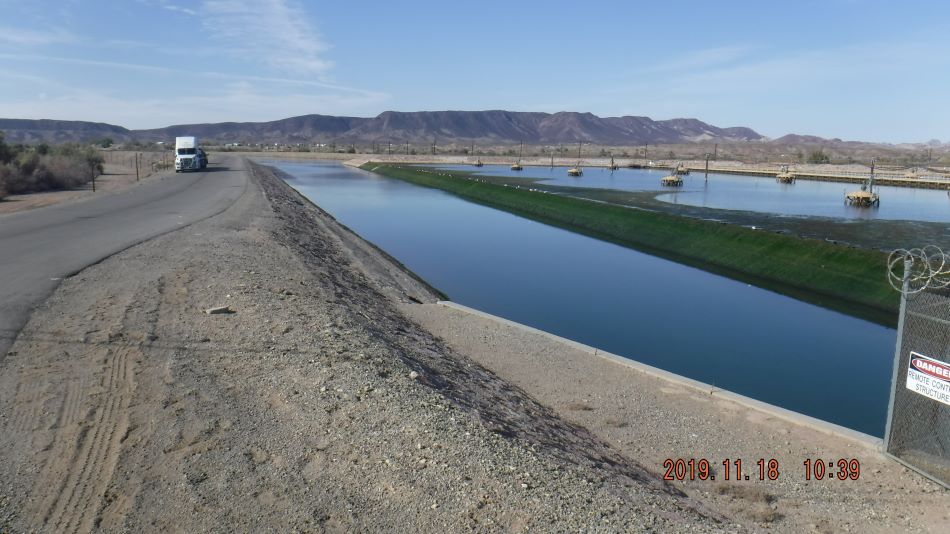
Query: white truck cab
{"x": 188, "y": 156}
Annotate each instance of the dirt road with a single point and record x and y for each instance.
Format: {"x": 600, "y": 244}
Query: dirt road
{"x": 41, "y": 247}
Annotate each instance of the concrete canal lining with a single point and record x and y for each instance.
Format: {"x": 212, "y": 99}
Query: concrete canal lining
{"x": 858, "y": 438}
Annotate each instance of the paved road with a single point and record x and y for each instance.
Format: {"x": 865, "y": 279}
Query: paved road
{"x": 40, "y": 247}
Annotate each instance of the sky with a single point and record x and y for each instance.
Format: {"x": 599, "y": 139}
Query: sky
{"x": 869, "y": 70}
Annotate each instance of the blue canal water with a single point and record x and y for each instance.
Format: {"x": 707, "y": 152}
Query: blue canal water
{"x": 752, "y": 193}
{"x": 687, "y": 321}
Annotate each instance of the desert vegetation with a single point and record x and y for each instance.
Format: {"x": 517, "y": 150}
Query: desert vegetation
{"x": 28, "y": 169}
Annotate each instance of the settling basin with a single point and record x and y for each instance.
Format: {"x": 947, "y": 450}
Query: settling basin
{"x": 806, "y": 198}
{"x": 712, "y": 329}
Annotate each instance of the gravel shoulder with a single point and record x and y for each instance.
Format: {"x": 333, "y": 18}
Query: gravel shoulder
{"x": 317, "y": 405}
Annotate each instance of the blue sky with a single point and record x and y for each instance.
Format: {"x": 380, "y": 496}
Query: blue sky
{"x": 855, "y": 69}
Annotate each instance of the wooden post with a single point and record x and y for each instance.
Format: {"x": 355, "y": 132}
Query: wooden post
{"x": 136, "y": 166}
{"x": 707, "y": 166}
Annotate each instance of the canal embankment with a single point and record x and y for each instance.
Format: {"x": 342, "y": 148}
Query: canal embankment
{"x": 656, "y": 416}
{"x": 848, "y": 279}
{"x": 501, "y": 372}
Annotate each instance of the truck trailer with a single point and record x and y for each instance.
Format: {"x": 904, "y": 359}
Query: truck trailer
{"x": 188, "y": 156}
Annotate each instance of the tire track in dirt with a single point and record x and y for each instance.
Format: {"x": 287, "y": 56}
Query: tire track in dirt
{"x": 93, "y": 422}
{"x": 71, "y": 411}
{"x": 92, "y": 468}
{"x": 28, "y": 403}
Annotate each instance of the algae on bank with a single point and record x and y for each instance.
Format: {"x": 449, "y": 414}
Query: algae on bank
{"x": 848, "y": 279}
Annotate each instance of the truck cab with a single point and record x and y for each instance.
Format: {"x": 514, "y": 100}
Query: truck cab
{"x": 188, "y": 156}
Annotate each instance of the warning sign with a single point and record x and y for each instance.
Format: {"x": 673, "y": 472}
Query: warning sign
{"x": 929, "y": 377}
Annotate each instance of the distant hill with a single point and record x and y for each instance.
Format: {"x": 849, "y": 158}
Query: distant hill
{"x": 814, "y": 140}
{"x": 52, "y": 131}
{"x": 495, "y": 126}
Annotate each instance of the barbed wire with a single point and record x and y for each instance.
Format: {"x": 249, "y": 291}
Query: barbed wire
{"x": 925, "y": 268}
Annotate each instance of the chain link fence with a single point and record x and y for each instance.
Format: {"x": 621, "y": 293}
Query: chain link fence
{"x": 918, "y": 424}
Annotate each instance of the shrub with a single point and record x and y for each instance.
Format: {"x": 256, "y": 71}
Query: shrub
{"x": 66, "y": 172}
{"x": 818, "y": 156}
{"x": 6, "y": 171}
{"x": 27, "y": 162}
{"x": 44, "y": 168}
{"x": 6, "y": 153}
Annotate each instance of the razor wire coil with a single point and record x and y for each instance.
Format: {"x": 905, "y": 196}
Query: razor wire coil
{"x": 924, "y": 268}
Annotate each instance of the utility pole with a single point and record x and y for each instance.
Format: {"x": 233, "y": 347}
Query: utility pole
{"x": 136, "y": 166}
{"x": 390, "y": 148}
{"x": 407, "y": 148}
{"x": 707, "y": 166}
{"x": 716, "y": 152}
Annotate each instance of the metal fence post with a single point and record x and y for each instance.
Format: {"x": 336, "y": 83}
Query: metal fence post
{"x": 897, "y": 354}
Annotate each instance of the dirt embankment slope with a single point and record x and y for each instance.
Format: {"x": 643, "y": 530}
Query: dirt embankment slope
{"x": 315, "y": 406}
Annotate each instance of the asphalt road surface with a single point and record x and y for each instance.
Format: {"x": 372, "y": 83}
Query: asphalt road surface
{"x": 38, "y": 248}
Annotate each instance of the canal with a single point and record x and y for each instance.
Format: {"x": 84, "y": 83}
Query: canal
{"x": 807, "y": 198}
{"x": 687, "y": 321}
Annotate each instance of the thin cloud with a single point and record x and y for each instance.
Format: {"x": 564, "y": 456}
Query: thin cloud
{"x": 273, "y": 32}
{"x": 144, "y": 113}
{"x": 179, "y": 9}
{"x": 206, "y": 74}
{"x": 22, "y": 37}
{"x": 6, "y": 75}
{"x": 91, "y": 63}
{"x": 169, "y": 6}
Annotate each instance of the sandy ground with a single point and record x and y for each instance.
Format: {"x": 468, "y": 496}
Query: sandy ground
{"x": 339, "y": 397}
{"x": 119, "y": 173}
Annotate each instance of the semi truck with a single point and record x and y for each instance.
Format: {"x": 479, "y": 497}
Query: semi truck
{"x": 188, "y": 156}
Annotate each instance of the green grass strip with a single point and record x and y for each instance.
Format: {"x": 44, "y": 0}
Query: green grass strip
{"x": 847, "y": 279}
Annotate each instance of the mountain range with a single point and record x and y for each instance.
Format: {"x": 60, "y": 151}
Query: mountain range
{"x": 483, "y": 127}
